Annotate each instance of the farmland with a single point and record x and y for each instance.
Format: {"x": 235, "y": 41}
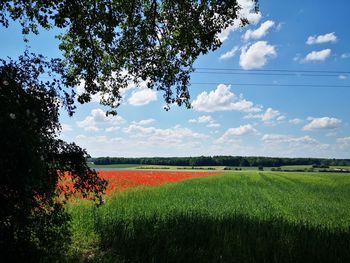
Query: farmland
{"x": 239, "y": 216}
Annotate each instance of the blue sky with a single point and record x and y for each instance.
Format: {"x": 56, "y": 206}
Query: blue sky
{"x": 231, "y": 116}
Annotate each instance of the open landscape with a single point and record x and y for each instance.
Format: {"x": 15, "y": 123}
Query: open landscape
{"x": 226, "y": 216}
{"x": 163, "y": 131}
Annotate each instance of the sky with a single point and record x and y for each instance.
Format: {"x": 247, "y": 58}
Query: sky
{"x": 290, "y": 98}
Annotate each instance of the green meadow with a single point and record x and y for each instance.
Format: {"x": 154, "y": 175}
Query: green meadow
{"x": 240, "y": 216}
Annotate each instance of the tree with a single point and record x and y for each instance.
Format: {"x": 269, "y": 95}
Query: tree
{"x": 33, "y": 223}
{"x": 109, "y": 43}
{"x": 106, "y": 45}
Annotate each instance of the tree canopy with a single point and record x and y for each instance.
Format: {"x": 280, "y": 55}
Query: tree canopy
{"x": 109, "y": 43}
{"x": 33, "y": 223}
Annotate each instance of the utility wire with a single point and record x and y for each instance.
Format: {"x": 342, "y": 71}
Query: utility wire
{"x": 273, "y": 70}
{"x": 272, "y": 84}
{"x": 266, "y": 74}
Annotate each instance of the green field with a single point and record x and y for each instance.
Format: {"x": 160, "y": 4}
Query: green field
{"x": 245, "y": 216}
{"x": 173, "y": 167}
{"x": 114, "y": 166}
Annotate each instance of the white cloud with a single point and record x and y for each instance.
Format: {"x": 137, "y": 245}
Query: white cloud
{"x": 144, "y": 122}
{"x": 202, "y": 119}
{"x": 66, "y": 127}
{"x": 318, "y": 55}
{"x": 295, "y": 121}
{"x": 247, "y": 11}
{"x": 131, "y": 84}
{"x": 239, "y": 131}
{"x": 173, "y": 134}
{"x": 281, "y": 138}
{"x": 267, "y": 117}
{"x": 213, "y": 125}
{"x": 345, "y": 55}
{"x": 230, "y": 53}
{"x": 342, "y": 76}
{"x": 142, "y": 97}
{"x": 259, "y": 32}
{"x": 222, "y": 99}
{"x": 98, "y": 117}
{"x": 224, "y": 34}
{"x": 330, "y": 37}
{"x": 344, "y": 142}
{"x": 279, "y": 26}
{"x": 324, "y": 123}
{"x": 205, "y": 119}
{"x": 112, "y": 129}
{"x": 80, "y": 90}
{"x": 270, "y": 114}
{"x": 256, "y": 55}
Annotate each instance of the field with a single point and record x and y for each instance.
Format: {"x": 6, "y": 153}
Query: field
{"x": 153, "y": 167}
{"x": 114, "y": 166}
{"x": 121, "y": 180}
{"x": 241, "y": 216}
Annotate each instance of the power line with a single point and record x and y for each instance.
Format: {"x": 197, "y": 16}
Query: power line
{"x": 274, "y": 70}
{"x": 272, "y": 85}
{"x": 266, "y": 74}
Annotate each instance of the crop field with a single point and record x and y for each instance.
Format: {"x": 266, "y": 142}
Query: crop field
{"x": 240, "y": 216}
{"x": 114, "y": 166}
{"x": 121, "y": 180}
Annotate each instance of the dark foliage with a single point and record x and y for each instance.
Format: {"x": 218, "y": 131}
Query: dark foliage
{"x": 33, "y": 223}
{"x": 153, "y": 41}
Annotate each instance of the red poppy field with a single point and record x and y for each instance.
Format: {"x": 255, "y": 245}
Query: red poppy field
{"x": 121, "y": 180}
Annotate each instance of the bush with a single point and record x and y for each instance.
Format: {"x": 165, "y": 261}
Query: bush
{"x": 33, "y": 223}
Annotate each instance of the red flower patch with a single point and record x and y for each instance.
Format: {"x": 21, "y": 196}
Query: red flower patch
{"x": 120, "y": 180}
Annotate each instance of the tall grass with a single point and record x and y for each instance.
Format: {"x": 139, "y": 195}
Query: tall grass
{"x": 235, "y": 217}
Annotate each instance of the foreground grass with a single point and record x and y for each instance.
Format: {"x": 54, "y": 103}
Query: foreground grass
{"x": 235, "y": 217}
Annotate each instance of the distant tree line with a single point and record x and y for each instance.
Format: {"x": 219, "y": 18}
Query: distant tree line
{"x": 239, "y": 161}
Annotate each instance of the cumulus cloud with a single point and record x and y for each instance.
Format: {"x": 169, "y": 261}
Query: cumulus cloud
{"x": 173, "y": 134}
{"x": 213, "y": 125}
{"x": 318, "y": 55}
{"x": 256, "y": 55}
{"x": 144, "y": 122}
{"x": 202, "y": 119}
{"x": 247, "y": 11}
{"x": 295, "y": 121}
{"x": 239, "y": 131}
{"x": 330, "y": 37}
{"x": 222, "y": 99}
{"x": 230, "y": 53}
{"x": 324, "y": 123}
{"x": 259, "y": 32}
{"x": 98, "y": 117}
{"x": 142, "y": 97}
{"x": 205, "y": 119}
{"x": 281, "y": 138}
{"x": 267, "y": 117}
{"x": 112, "y": 129}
